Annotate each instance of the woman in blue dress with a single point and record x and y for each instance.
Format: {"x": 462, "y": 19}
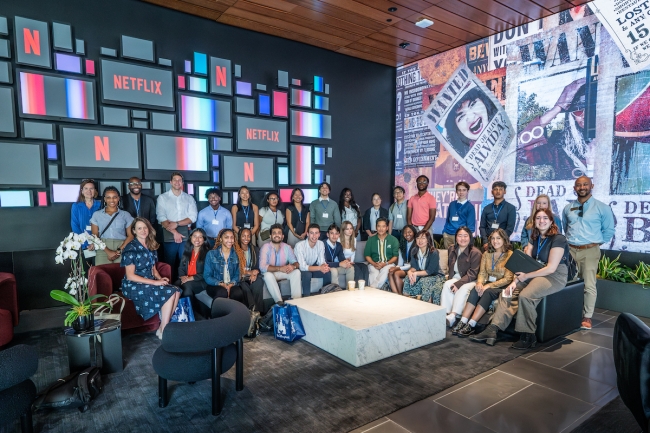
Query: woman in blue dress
{"x": 142, "y": 283}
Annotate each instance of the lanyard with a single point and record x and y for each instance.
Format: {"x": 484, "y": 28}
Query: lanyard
{"x": 496, "y": 213}
{"x": 136, "y": 203}
{"x": 216, "y": 212}
{"x": 422, "y": 261}
{"x": 276, "y": 216}
{"x": 322, "y": 202}
{"x": 248, "y": 258}
{"x": 399, "y": 207}
{"x": 246, "y": 210}
{"x": 497, "y": 261}
{"x": 332, "y": 251}
{"x": 300, "y": 213}
{"x": 539, "y": 246}
{"x": 376, "y": 215}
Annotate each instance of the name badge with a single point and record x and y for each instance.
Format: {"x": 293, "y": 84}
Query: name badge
{"x": 215, "y": 222}
{"x": 491, "y": 279}
{"x": 399, "y": 216}
{"x": 247, "y": 225}
{"x": 495, "y": 225}
{"x": 88, "y": 228}
{"x": 454, "y": 218}
{"x": 325, "y": 215}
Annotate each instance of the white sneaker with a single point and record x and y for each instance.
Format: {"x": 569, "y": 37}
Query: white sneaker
{"x": 451, "y": 320}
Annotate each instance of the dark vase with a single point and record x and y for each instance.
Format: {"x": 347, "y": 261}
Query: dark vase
{"x": 83, "y": 323}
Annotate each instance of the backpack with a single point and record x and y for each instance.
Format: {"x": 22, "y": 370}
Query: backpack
{"x": 75, "y": 390}
{"x": 330, "y": 288}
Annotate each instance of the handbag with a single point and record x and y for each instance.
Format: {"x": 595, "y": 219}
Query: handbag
{"x": 106, "y": 312}
{"x": 265, "y": 234}
{"x": 287, "y": 324}
{"x": 183, "y": 312}
{"x": 74, "y": 390}
{"x": 253, "y": 326}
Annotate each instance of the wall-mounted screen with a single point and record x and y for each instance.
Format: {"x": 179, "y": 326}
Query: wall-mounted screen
{"x": 312, "y": 125}
{"x": 100, "y": 153}
{"x": 321, "y": 102}
{"x": 7, "y": 115}
{"x": 16, "y": 199}
{"x": 205, "y": 115}
{"x": 47, "y": 96}
{"x": 254, "y": 172}
{"x": 301, "y": 167}
{"x": 165, "y": 154}
{"x": 135, "y": 85}
{"x": 261, "y": 135}
{"x": 21, "y": 165}
{"x": 301, "y": 98}
{"x": 65, "y": 193}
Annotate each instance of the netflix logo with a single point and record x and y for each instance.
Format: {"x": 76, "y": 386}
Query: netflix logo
{"x": 261, "y": 135}
{"x": 220, "y": 76}
{"x": 137, "y": 85}
{"x": 125, "y": 82}
{"x": 254, "y": 172}
{"x": 32, "y": 42}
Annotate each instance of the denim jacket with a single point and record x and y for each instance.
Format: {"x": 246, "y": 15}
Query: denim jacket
{"x": 214, "y": 263}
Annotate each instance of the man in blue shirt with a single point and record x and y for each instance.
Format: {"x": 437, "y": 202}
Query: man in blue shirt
{"x": 459, "y": 213}
{"x": 214, "y": 217}
{"x": 497, "y": 215}
{"x": 588, "y": 223}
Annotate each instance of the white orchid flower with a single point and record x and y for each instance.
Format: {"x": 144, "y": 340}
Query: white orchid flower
{"x": 59, "y": 250}
{"x": 73, "y": 254}
{"x": 73, "y": 292}
{"x": 76, "y": 245}
{"x": 58, "y": 260}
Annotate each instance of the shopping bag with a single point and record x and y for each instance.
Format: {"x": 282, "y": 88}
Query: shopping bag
{"x": 183, "y": 312}
{"x": 287, "y": 323}
{"x": 106, "y": 312}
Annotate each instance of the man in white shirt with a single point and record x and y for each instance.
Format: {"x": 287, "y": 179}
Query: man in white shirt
{"x": 310, "y": 254}
{"x": 176, "y": 211}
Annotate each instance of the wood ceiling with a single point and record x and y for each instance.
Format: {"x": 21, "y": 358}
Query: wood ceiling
{"x": 366, "y": 29}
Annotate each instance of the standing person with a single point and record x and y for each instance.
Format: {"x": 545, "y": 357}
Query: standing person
{"x": 460, "y": 213}
{"x": 175, "y": 211}
{"x": 397, "y": 274}
{"x": 397, "y": 213}
{"x": 138, "y": 204}
{"x": 423, "y": 277}
{"x": 588, "y": 223}
{"x": 350, "y": 209}
{"x": 245, "y": 213}
{"x": 371, "y": 216}
{"x": 521, "y": 297}
{"x": 465, "y": 263}
{"x": 111, "y": 225}
{"x": 497, "y": 215}
{"x": 269, "y": 215}
{"x": 421, "y": 211}
{"x": 190, "y": 272}
{"x": 297, "y": 215}
{"x": 83, "y": 210}
{"x": 251, "y": 283}
{"x": 324, "y": 211}
{"x": 541, "y": 202}
{"x": 335, "y": 257}
{"x": 349, "y": 245}
{"x": 493, "y": 277}
{"x": 213, "y": 218}
{"x": 142, "y": 283}
{"x": 310, "y": 254}
{"x": 221, "y": 271}
{"x": 278, "y": 262}
{"x": 381, "y": 253}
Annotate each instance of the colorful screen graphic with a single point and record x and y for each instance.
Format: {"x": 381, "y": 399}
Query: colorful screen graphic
{"x": 280, "y": 104}
{"x": 243, "y": 88}
{"x": 203, "y": 114}
{"x": 65, "y": 193}
{"x": 264, "y": 104}
{"x": 67, "y": 63}
{"x": 318, "y": 83}
{"x": 261, "y": 135}
{"x": 319, "y": 155}
{"x": 321, "y": 102}
{"x": 301, "y": 164}
{"x": 137, "y": 85}
{"x": 50, "y": 96}
{"x": 304, "y": 124}
{"x": 21, "y": 164}
{"x": 16, "y": 199}
{"x": 198, "y": 84}
{"x": 164, "y": 152}
{"x": 301, "y": 98}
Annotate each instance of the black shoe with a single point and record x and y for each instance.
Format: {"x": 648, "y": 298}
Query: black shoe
{"x": 457, "y": 327}
{"x": 488, "y": 336}
{"x": 465, "y": 331}
{"x": 526, "y": 341}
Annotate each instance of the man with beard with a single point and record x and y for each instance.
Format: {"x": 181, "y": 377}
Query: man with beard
{"x": 278, "y": 262}
{"x": 588, "y": 223}
{"x": 421, "y": 209}
{"x": 138, "y": 204}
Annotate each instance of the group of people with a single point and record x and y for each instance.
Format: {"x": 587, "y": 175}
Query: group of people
{"x": 235, "y": 253}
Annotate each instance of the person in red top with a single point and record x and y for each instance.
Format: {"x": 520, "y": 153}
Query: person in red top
{"x": 191, "y": 269}
{"x": 422, "y": 207}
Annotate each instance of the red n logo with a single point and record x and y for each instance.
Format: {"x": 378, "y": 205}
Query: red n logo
{"x": 221, "y": 76}
{"x": 249, "y": 172}
{"x": 32, "y": 41}
{"x": 102, "y": 149}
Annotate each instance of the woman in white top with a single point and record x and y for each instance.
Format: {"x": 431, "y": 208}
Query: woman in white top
{"x": 269, "y": 215}
{"x": 397, "y": 274}
{"x": 349, "y": 244}
{"x": 350, "y": 210}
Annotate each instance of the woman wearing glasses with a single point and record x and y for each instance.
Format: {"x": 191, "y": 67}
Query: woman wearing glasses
{"x": 371, "y": 216}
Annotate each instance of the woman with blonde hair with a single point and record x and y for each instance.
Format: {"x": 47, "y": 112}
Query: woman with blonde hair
{"x": 349, "y": 244}
{"x": 542, "y": 201}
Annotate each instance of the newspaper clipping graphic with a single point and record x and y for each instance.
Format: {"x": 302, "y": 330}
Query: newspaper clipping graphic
{"x": 471, "y": 124}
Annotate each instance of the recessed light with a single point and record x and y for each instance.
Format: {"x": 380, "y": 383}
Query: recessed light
{"x": 389, "y": 20}
{"x": 392, "y": 9}
{"x": 404, "y": 44}
{"x": 424, "y": 23}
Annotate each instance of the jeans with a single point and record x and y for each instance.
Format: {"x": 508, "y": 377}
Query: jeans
{"x": 306, "y": 277}
{"x": 172, "y": 256}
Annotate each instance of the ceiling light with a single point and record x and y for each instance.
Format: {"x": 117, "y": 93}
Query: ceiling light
{"x": 424, "y": 23}
{"x": 404, "y": 45}
{"x": 392, "y": 9}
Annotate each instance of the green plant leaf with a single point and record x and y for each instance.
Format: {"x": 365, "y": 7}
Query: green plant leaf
{"x": 66, "y": 298}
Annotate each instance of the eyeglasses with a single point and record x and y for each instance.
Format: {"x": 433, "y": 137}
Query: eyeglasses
{"x": 422, "y": 182}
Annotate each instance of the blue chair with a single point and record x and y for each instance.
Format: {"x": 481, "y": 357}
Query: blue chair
{"x": 17, "y": 391}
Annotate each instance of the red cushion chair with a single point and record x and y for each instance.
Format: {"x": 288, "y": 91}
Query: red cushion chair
{"x": 9, "y": 313}
{"x": 107, "y": 279}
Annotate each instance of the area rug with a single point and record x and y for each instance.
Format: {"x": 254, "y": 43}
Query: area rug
{"x": 288, "y": 387}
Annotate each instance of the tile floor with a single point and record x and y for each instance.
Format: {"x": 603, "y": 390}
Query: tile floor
{"x": 554, "y": 388}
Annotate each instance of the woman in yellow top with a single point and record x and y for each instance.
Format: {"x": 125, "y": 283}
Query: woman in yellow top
{"x": 493, "y": 277}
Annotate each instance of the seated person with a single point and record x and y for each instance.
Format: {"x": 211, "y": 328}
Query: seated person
{"x": 381, "y": 253}
{"x": 221, "y": 271}
{"x": 278, "y": 262}
{"x": 349, "y": 245}
{"x": 541, "y": 202}
{"x": 335, "y": 257}
{"x": 249, "y": 267}
{"x": 142, "y": 283}
{"x": 214, "y": 217}
{"x": 397, "y": 274}
{"x": 493, "y": 277}
{"x": 521, "y": 297}
{"x": 190, "y": 271}
{"x": 464, "y": 265}
{"x": 423, "y": 277}
{"x": 310, "y": 254}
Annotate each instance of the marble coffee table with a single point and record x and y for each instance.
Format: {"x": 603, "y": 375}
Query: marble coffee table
{"x": 363, "y": 326}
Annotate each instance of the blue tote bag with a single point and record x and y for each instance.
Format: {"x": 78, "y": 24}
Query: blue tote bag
{"x": 183, "y": 312}
{"x": 287, "y": 325}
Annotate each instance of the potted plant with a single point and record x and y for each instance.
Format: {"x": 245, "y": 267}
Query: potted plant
{"x": 80, "y": 316}
{"x": 623, "y": 289}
